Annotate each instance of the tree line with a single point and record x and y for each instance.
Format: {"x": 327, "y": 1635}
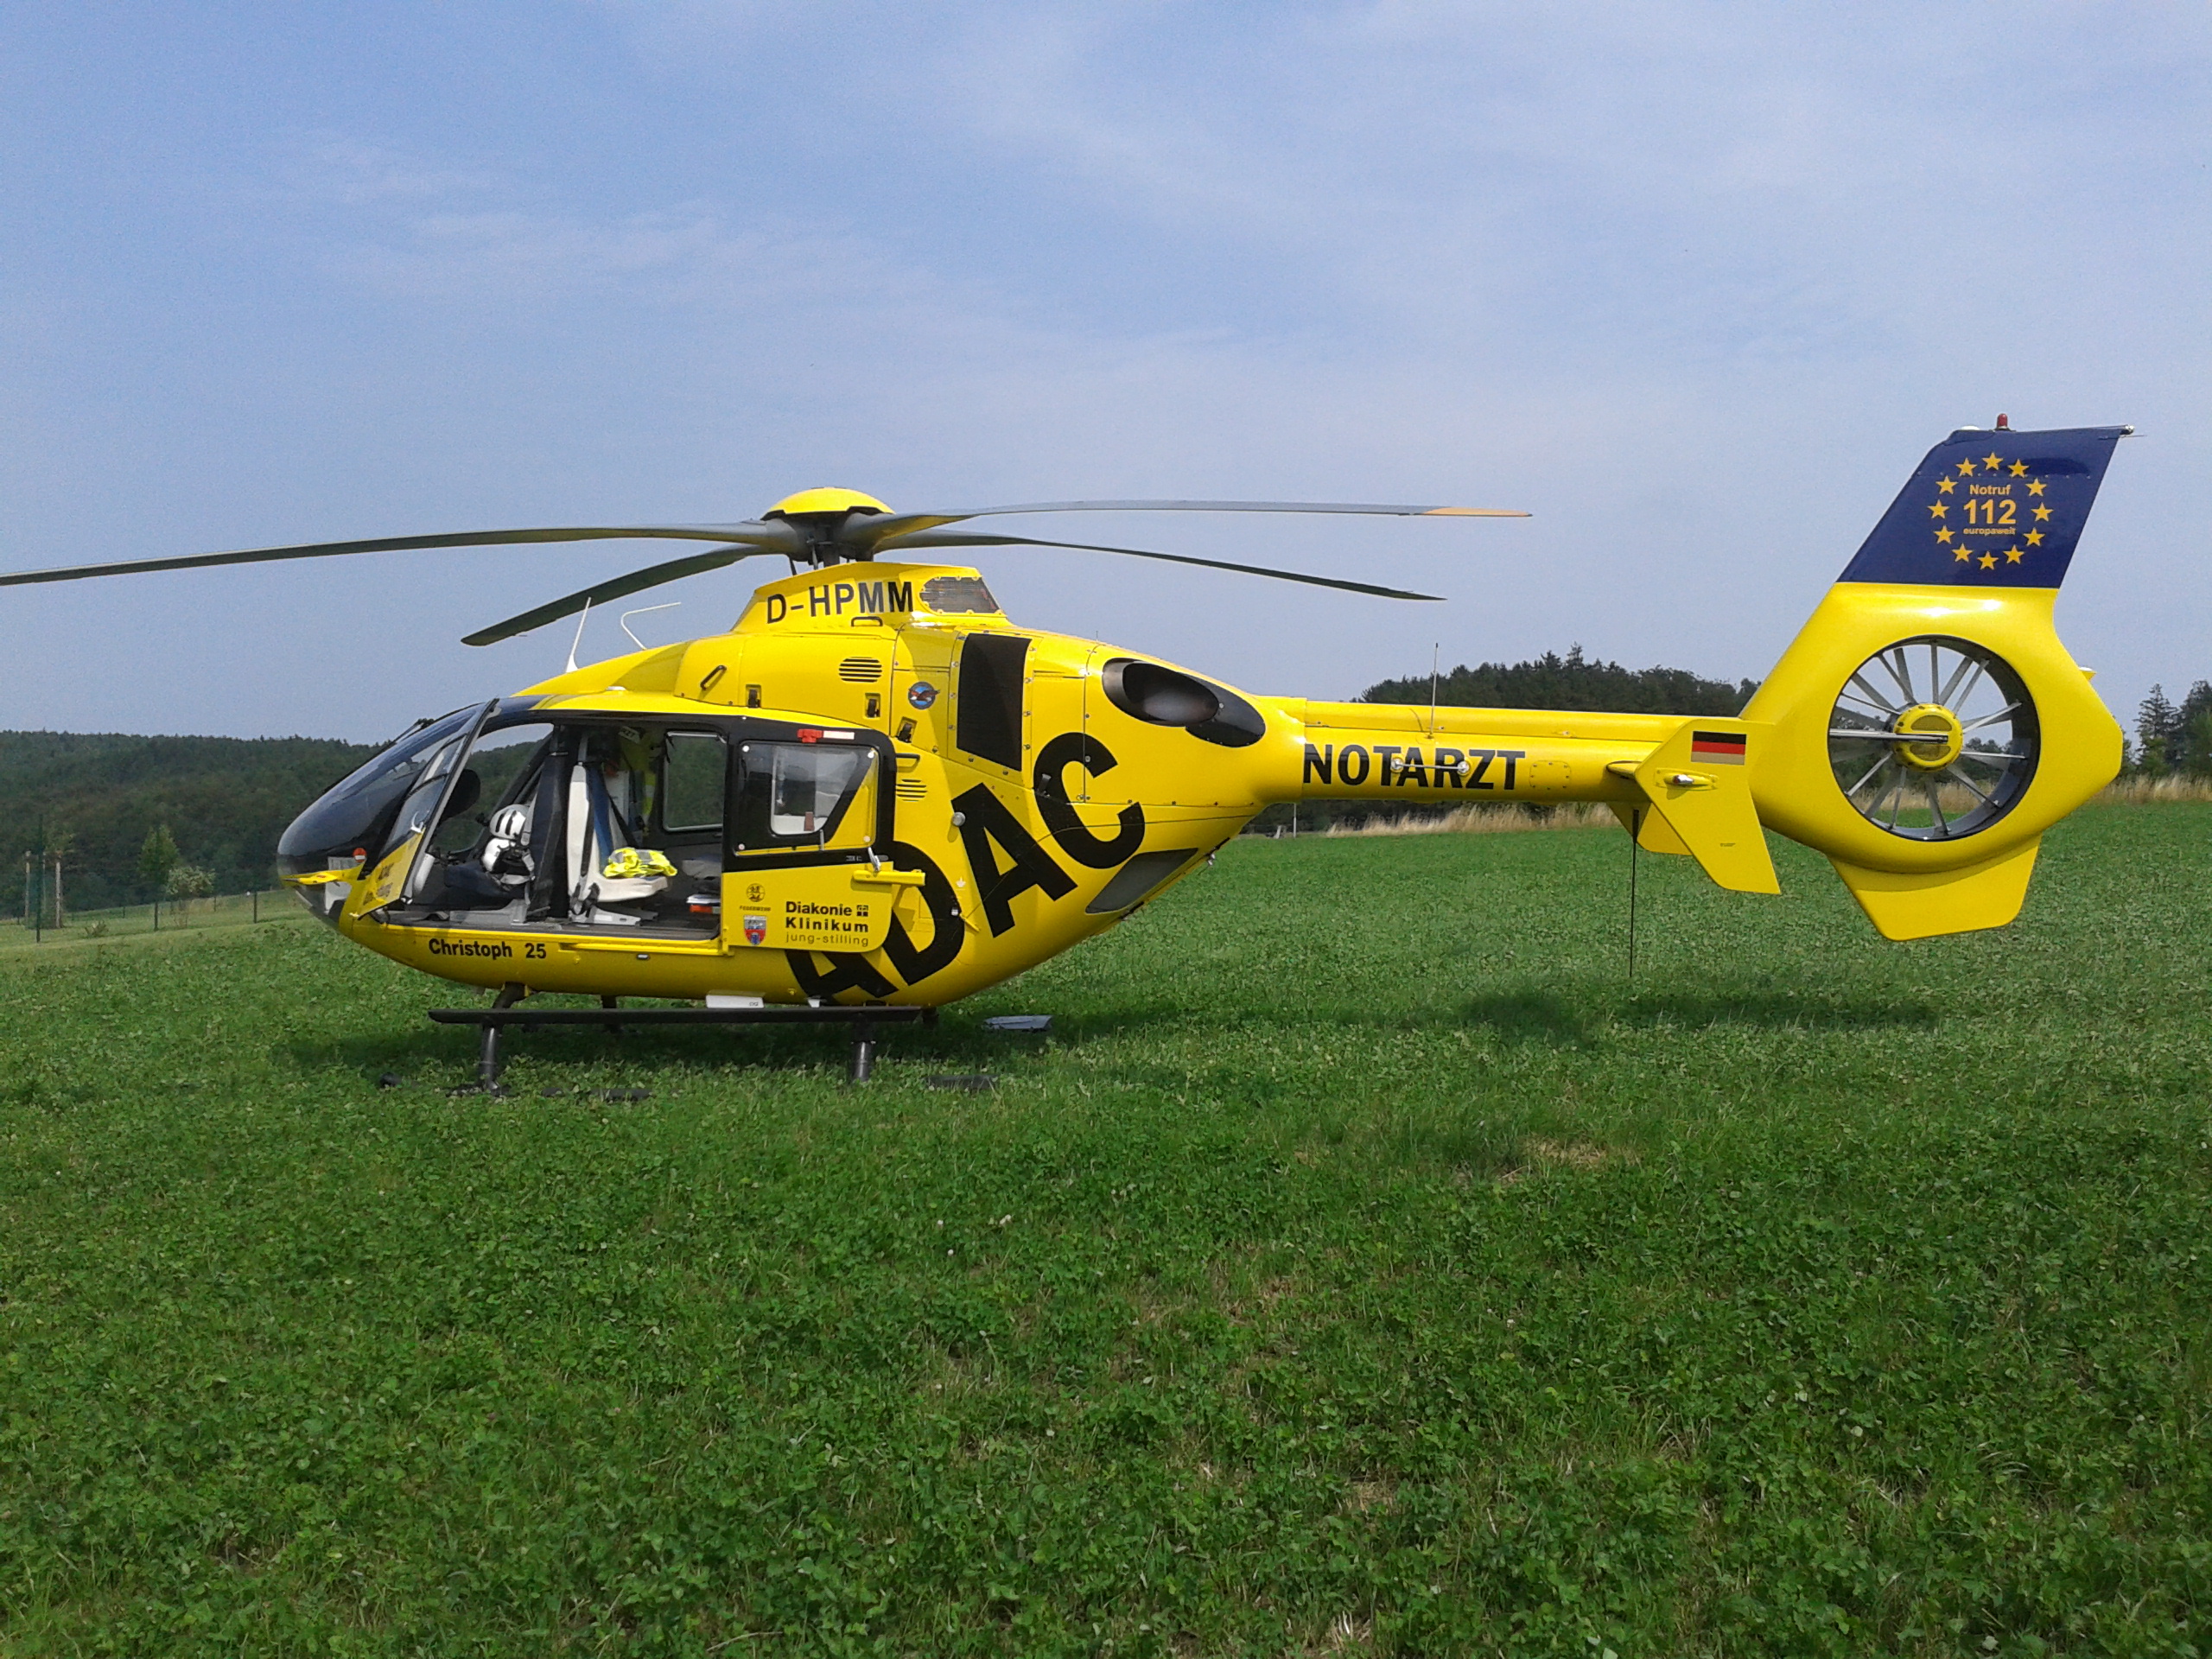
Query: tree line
{"x": 2173, "y": 737}
{"x": 137, "y": 818}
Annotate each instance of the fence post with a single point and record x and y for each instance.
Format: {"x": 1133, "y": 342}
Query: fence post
{"x": 257, "y": 904}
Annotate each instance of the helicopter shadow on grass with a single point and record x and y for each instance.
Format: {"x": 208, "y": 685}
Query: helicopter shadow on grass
{"x": 1551, "y": 1019}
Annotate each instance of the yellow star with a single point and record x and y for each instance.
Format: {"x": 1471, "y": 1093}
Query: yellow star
{"x": 2035, "y": 486}
{"x": 1991, "y": 461}
{"x": 2042, "y": 513}
{"x": 1944, "y": 536}
{"x": 1939, "y": 510}
{"x": 1988, "y": 561}
{"x": 1947, "y": 484}
{"x": 1967, "y": 466}
{"x": 1962, "y": 555}
{"x": 2018, "y": 469}
{"x": 2012, "y": 556}
{"x": 2035, "y": 539}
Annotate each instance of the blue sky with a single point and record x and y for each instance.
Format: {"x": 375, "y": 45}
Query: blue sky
{"x": 1697, "y": 285}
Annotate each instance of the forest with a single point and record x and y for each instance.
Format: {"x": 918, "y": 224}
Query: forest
{"x": 97, "y": 798}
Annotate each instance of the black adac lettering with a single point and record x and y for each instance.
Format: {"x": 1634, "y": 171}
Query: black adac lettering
{"x": 845, "y": 973}
{"x": 776, "y": 605}
{"x": 818, "y": 601}
{"x": 984, "y": 819}
{"x": 1451, "y": 769}
{"x": 844, "y": 593}
{"x": 1386, "y": 768}
{"x": 915, "y": 963}
{"x": 1413, "y": 774}
{"x": 1076, "y": 838}
{"x": 851, "y": 971}
{"x": 1345, "y": 775}
{"x": 1482, "y": 758}
{"x": 871, "y": 598}
{"x": 899, "y": 595}
{"x": 1319, "y": 762}
{"x": 1509, "y": 756}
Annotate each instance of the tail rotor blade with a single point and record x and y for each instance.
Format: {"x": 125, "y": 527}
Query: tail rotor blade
{"x": 929, "y": 539}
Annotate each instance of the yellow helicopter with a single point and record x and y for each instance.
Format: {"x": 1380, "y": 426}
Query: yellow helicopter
{"x": 876, "y": 793}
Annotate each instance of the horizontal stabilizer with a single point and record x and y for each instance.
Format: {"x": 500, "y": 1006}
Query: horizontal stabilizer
{"x": 1924, "y": 904}
{"x": 1698, "y": 785}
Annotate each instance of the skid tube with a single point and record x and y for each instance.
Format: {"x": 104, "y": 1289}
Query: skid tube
{"x": 865, "y": 1019}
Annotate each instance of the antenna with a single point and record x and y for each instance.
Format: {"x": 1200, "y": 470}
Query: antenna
{"x": 623, "y": 621}
{"x": 1635, "y": 840}
{"x": 579, "y": 639}
{"x": 1435, "y": 659}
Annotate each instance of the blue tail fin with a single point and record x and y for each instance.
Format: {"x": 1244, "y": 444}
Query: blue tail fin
{"x": 1999, "y": 509}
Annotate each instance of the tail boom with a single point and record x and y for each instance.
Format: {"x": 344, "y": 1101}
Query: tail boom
{"x": 1682, "y": 781}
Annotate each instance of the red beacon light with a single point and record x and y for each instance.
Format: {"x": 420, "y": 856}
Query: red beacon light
{"x": 2004, "y": 423}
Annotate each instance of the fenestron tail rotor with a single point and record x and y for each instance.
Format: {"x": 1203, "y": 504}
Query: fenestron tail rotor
{"x": 814, "y": 527}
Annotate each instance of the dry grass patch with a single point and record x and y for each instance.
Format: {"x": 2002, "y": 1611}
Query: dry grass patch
{"x": 1539, "y": 1153}
{"x": 2147, "y": 791}
{"x": 1483, "y": 820}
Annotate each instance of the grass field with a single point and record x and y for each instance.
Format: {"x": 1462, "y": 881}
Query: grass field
{"x": 1361, "y": 1265}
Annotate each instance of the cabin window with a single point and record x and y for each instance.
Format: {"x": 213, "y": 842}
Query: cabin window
{"x": 804, "y": 796}
{"x": 987, "y": 715}
{"x": 954, "y": 595}
{"x": 694, "y": 771}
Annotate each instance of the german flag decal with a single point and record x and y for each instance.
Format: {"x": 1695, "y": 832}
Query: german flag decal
{"x": 1718, "y": 748}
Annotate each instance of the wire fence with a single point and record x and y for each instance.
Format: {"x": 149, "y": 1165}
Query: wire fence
{"x": 169, "y": 916}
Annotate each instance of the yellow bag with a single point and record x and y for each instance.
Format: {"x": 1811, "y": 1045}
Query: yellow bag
{"x": 630, "y": 863}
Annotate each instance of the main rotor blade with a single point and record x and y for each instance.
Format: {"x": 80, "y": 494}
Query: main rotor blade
{"x": 874, "y": 530}
{"x": 613, "y": 587}
{"x": 764, "y": 537}
{"x": 971, "y": 539}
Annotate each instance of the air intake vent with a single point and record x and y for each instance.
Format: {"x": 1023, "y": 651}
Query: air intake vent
{"x": 913, "y": 789}
{"x": 860, "y": 671}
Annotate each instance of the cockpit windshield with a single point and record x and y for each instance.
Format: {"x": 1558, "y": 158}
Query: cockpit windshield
{"x": 352, "y": 819}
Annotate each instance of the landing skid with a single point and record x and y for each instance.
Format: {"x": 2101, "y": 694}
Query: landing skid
{"x": 865, "y": 1019}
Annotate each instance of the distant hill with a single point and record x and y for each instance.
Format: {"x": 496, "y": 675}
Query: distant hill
{"x": 1551, "y": 681}
{"x": 225, "y": 799}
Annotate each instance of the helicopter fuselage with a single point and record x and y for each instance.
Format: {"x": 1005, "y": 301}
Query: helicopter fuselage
{"x": 876, "y": 787}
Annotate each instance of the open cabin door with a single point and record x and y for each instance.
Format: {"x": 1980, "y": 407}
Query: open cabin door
{"x": 588, "y": 823}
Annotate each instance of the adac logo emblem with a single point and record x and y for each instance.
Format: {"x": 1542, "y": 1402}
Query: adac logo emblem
{"x": 921, "y": 694}
{"x": 1988, "y": 514}
{"x": 756, "y": 929}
